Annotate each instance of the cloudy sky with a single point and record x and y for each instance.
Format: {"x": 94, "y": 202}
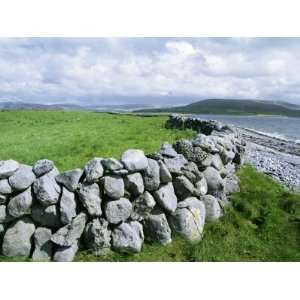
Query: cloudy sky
{"x": 87, "y": 71}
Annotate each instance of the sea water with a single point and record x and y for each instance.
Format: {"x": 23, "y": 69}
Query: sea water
{"x": 284, "y": 128}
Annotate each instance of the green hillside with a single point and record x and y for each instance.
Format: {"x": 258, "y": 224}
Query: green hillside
{"x": 234, "y": 107}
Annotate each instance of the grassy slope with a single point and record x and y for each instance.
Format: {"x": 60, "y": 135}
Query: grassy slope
{"x": 70, "y": 139}
{"x": 262, "y": 225}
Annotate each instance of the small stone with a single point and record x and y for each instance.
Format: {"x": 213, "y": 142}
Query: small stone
{"x": 165, "y": 175}
{"x": 70, "y": 179}
{"x": 8, "y": 168}
{"x": 112, "y": 164}
{"x": 46, "y": 189}
{"x": 142, "y": 206}
{"x": 134, "y": 160}
{"x": 175, "y": 164}
{"x": 93, "y": 170}
{"x": 128, "y": 237}
{"x": 66, "y": 253}
{"x": 134, "y": 183}
{"x": 214, "y": 179}
{"x": 89, "y": 195}
{"x": 118, "y": 211}
{"x": 156, "y": 228}
{"x": 22, "y": 178}
{"x": 42, "y": 167}
{"x": 67, "y": 206}
{"x": 183, "y": 187}
{"x": 113, "y": 186}
{"x": 212, "y": 207}
{"x": 43, "y": 245}
{"x": 20, "y": 204}
{"x": 17, "y": 238}
{"x": 152, "y": 175}
{"x": 46, "y": 216}
{"x": 70, "y": 233}
{"x": 168, "y": 150}
{"x": 166, "y": 198}
{"x": 5, "y": 188}
{"x": 97, "y": 236}
{"x": 201, "y": 187}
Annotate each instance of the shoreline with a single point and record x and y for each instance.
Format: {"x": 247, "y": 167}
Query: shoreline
{"x": 277, "y": 158}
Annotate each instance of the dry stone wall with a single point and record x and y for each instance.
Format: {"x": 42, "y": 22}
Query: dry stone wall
{"x": 117, "y": 205}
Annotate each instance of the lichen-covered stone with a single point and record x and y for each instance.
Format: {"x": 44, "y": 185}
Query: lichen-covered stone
{"x": 20, "y": 204}
{"x": 70, "y": 179}
{"x": 166, "y": 198}
{"x": 22, "y": 178}
{"x": 134, "y": 183}
{"x": 94, "y": 170}
{"x": 156, "y": 228}
{"x": 134, "y": 160}
{"x": 142, "y": 206}
{"x": 42, "y": 167}
{"x": 152, "y": 175}
{"x": 128, "y": 237}
{"x": 89, "y": 195}
{"x": 118, "y": 210}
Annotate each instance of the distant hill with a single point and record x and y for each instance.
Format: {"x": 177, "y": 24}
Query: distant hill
{"x": 234, "y": 107}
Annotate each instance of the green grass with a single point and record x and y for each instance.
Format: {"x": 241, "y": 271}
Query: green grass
{"x": 263, "y": 223}
{"x": 70, "y": 139}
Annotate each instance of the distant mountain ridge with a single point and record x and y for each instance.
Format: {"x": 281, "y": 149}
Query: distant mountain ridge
{"x": 234, "y": 107}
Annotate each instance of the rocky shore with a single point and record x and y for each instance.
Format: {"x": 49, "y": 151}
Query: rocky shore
{"x": 278, "y": 158}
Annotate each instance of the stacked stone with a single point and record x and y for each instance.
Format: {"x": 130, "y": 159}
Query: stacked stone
{"x": 116, "y": 205}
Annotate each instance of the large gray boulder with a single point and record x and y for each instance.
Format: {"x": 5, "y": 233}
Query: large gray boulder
{"x": 152, "y": 175}
{"x": 134, "y": 183}
{"x": 20, "y": 204}
{"x": 134, "y": 160}
{"x": 213, "y": 179}
{"x": 201, "y": 187}
{"x": 118, "y": 210}
{"x": 113, "y": 186}
{"x": 8, "y": 168}
{"x": 70, "y": 179}
{"x": 97, "y": 236}
{"x": 46, "y": 216}
{"x": 175, "y": 164}
{"x": 89, "y": 195}
{"x": 46, "y": 188}
{"x": 22, "y": 178}
{"x": 183, "y": 187}
{"x": 17, "y": 238}
{"x": 66, "y": 253}
{"x": 112, "y": 164}
{"x": 42, "y": 167}
{"x": 67, "y": 206}
{"x": 5, "y": 188}
{"x": 165, "y": 175}
{"x": 128, "y": 237}
{"x": 93, "y": 170}
{"x": 166, "y": 198}
{"x": 189, "y": 219}
{"x": 42, "y": 245}
{"x": 212, "y": 207}
{"x": 66, "y": 236}
{"x": 156, "y": 228}
{"x": 142, "y": 206}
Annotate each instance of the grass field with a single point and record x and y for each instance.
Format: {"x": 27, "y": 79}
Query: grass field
{"x": 70, "y": 139}
{"x": 263, "y": 223}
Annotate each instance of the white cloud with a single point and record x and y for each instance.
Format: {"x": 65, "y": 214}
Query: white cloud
{"x": 75, "y": 69}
